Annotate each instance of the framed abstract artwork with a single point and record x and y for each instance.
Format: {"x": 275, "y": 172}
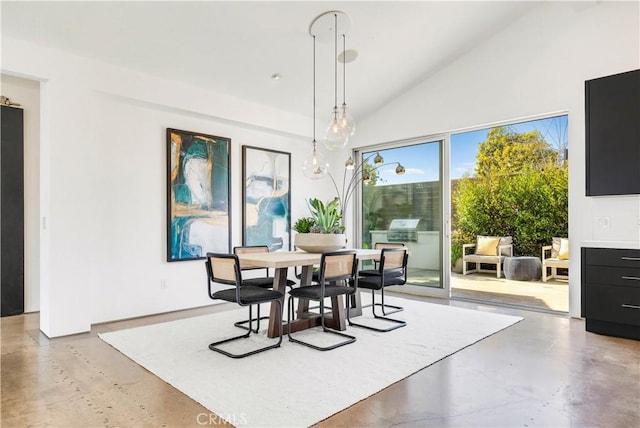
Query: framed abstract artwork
{"x": 198, "y": 195}
{"x": 266, "y": 197}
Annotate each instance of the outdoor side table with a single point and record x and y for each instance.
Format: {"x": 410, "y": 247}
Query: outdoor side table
{"x": 523, "y": 268}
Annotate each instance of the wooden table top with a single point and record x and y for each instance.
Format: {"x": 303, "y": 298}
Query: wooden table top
{"x": 283, "y": 259}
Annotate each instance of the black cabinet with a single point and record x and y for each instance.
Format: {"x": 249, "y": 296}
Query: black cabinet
{"x": 611, "y": 291}
{"x": 612, "y": 117}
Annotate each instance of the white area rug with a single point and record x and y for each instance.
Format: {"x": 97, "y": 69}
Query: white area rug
{"x": 295, "y": 386}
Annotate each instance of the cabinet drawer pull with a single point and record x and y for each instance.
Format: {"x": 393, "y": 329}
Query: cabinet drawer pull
{"x": 635, "y": 278}
{"x": 633, "y": 259}
{"x": 624, "y": 305}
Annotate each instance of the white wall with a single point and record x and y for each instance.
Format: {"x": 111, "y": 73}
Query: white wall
{"x": 535, "y": 66}
{"x": 27, "y": 94}
{"x": 102, "y": 183}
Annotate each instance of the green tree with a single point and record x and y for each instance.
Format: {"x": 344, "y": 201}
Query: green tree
{"x": 506, "y": 153}
{"x": 518, "y": 190}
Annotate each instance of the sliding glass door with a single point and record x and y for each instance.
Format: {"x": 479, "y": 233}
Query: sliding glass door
{"x": 401, "y": 200}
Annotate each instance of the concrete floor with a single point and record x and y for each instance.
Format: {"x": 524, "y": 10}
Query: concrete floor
{"x": 545, "y": 371}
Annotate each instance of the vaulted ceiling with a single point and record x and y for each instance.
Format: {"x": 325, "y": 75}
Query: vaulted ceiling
{"x": 235, "y": 47}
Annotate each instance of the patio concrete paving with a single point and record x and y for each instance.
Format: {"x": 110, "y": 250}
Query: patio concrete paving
{"x": 485, "y": 287}
{"x": 552, "y": 295}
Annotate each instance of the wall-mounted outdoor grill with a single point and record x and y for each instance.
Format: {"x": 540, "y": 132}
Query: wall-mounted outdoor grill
{"x": 403, "y": 230}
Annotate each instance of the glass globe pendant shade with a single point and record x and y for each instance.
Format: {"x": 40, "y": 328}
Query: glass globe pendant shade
{"x": 315, "y": 166}
{"x": 347, "y": 122}
{"x": 335, "y": 138}
{"x": 349, "y": 164}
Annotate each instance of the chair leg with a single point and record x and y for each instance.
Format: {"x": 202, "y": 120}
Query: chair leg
{"x": 215, "y": 345}
{"x": 385, "y": 307}
{"x": 349, "y": 338}
{"x": 239, "y": 324}
{"x": 466, "y": 270}
{"x": 396, "y": 323}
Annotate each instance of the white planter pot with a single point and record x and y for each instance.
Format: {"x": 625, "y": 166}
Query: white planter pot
{"x": 320, "y": 242}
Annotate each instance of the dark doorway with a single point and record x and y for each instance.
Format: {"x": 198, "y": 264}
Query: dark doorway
{"x": 12, "y": 211}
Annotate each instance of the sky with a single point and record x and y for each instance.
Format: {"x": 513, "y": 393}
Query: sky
{"x": 421, "y": 161}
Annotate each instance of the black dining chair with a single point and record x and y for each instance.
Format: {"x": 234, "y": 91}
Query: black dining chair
{"x": 265, "y": 281}
{"x": 225, "y": 269}
{"x": 315, "y": 279}
{"x": 392, "y": 270}
{"x": 337, "y": 276}
{"x": 386, "y": 308}
{"x": 376, "y": 261}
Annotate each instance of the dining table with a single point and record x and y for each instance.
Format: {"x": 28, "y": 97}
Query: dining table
{"x": 281, "y": 261}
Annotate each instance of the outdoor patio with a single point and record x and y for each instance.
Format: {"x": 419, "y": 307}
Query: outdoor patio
{"x": 547, "y": 296}
{"x": 552, "y": 295}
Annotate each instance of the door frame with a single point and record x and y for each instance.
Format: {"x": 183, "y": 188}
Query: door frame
{"x": 444, "y": 291}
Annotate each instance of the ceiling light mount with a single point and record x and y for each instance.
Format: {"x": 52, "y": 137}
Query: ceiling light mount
{"x": 324, "y": 26}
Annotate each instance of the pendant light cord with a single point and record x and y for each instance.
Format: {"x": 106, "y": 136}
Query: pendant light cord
{"x": 344, "y": 72}
{"x": 314, "y": 93}
{"x": 335, "y": 62}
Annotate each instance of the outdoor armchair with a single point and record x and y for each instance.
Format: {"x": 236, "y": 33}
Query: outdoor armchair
{"x": 555, "y": 256}
{"x": 490, "y": 250}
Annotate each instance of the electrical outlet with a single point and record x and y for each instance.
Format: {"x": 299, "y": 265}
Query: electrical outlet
{"x": 163, "y": 284}
{"x": 604, "y": 222}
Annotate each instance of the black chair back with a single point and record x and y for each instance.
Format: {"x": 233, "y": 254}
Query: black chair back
{"x": 338, "y": 266}
{"x": 224, "y": 269}
{"x": 383, "y": 245}
{"x": 394, "y": 260}
{"x": 251, "y": 249}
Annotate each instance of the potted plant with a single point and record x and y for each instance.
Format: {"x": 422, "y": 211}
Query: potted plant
{"x": 322, "y": 231}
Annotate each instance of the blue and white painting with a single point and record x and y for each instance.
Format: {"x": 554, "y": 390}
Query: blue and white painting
{"x": 198, "y": 195}
{"x": 266, "y": 193}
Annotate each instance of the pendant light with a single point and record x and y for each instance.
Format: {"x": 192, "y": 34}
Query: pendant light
{"x": 327, "y": 27}
{"x": 314, "y": 167}
{"x": 335, "y": 138}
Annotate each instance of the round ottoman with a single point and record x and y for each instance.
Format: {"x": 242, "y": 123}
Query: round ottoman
{"x": 522, "y": 268}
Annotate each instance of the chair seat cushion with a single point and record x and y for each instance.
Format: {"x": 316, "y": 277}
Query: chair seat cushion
{"x": 476, "y": 258}
{"x": 249, "y": 295}
{"x": 373, "y": 283}
{"x": 264, "y": 282}
{"x": 375, "y": 272}
{"x": 554, "y": 262}
{"x": 313, "y": 292}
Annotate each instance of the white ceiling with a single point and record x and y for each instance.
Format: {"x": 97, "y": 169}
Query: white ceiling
{"x": 235, "y": 47}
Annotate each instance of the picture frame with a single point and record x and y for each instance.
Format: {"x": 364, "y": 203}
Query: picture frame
{"x": 198, "y": 195}
{"x": 266, "y": 198}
